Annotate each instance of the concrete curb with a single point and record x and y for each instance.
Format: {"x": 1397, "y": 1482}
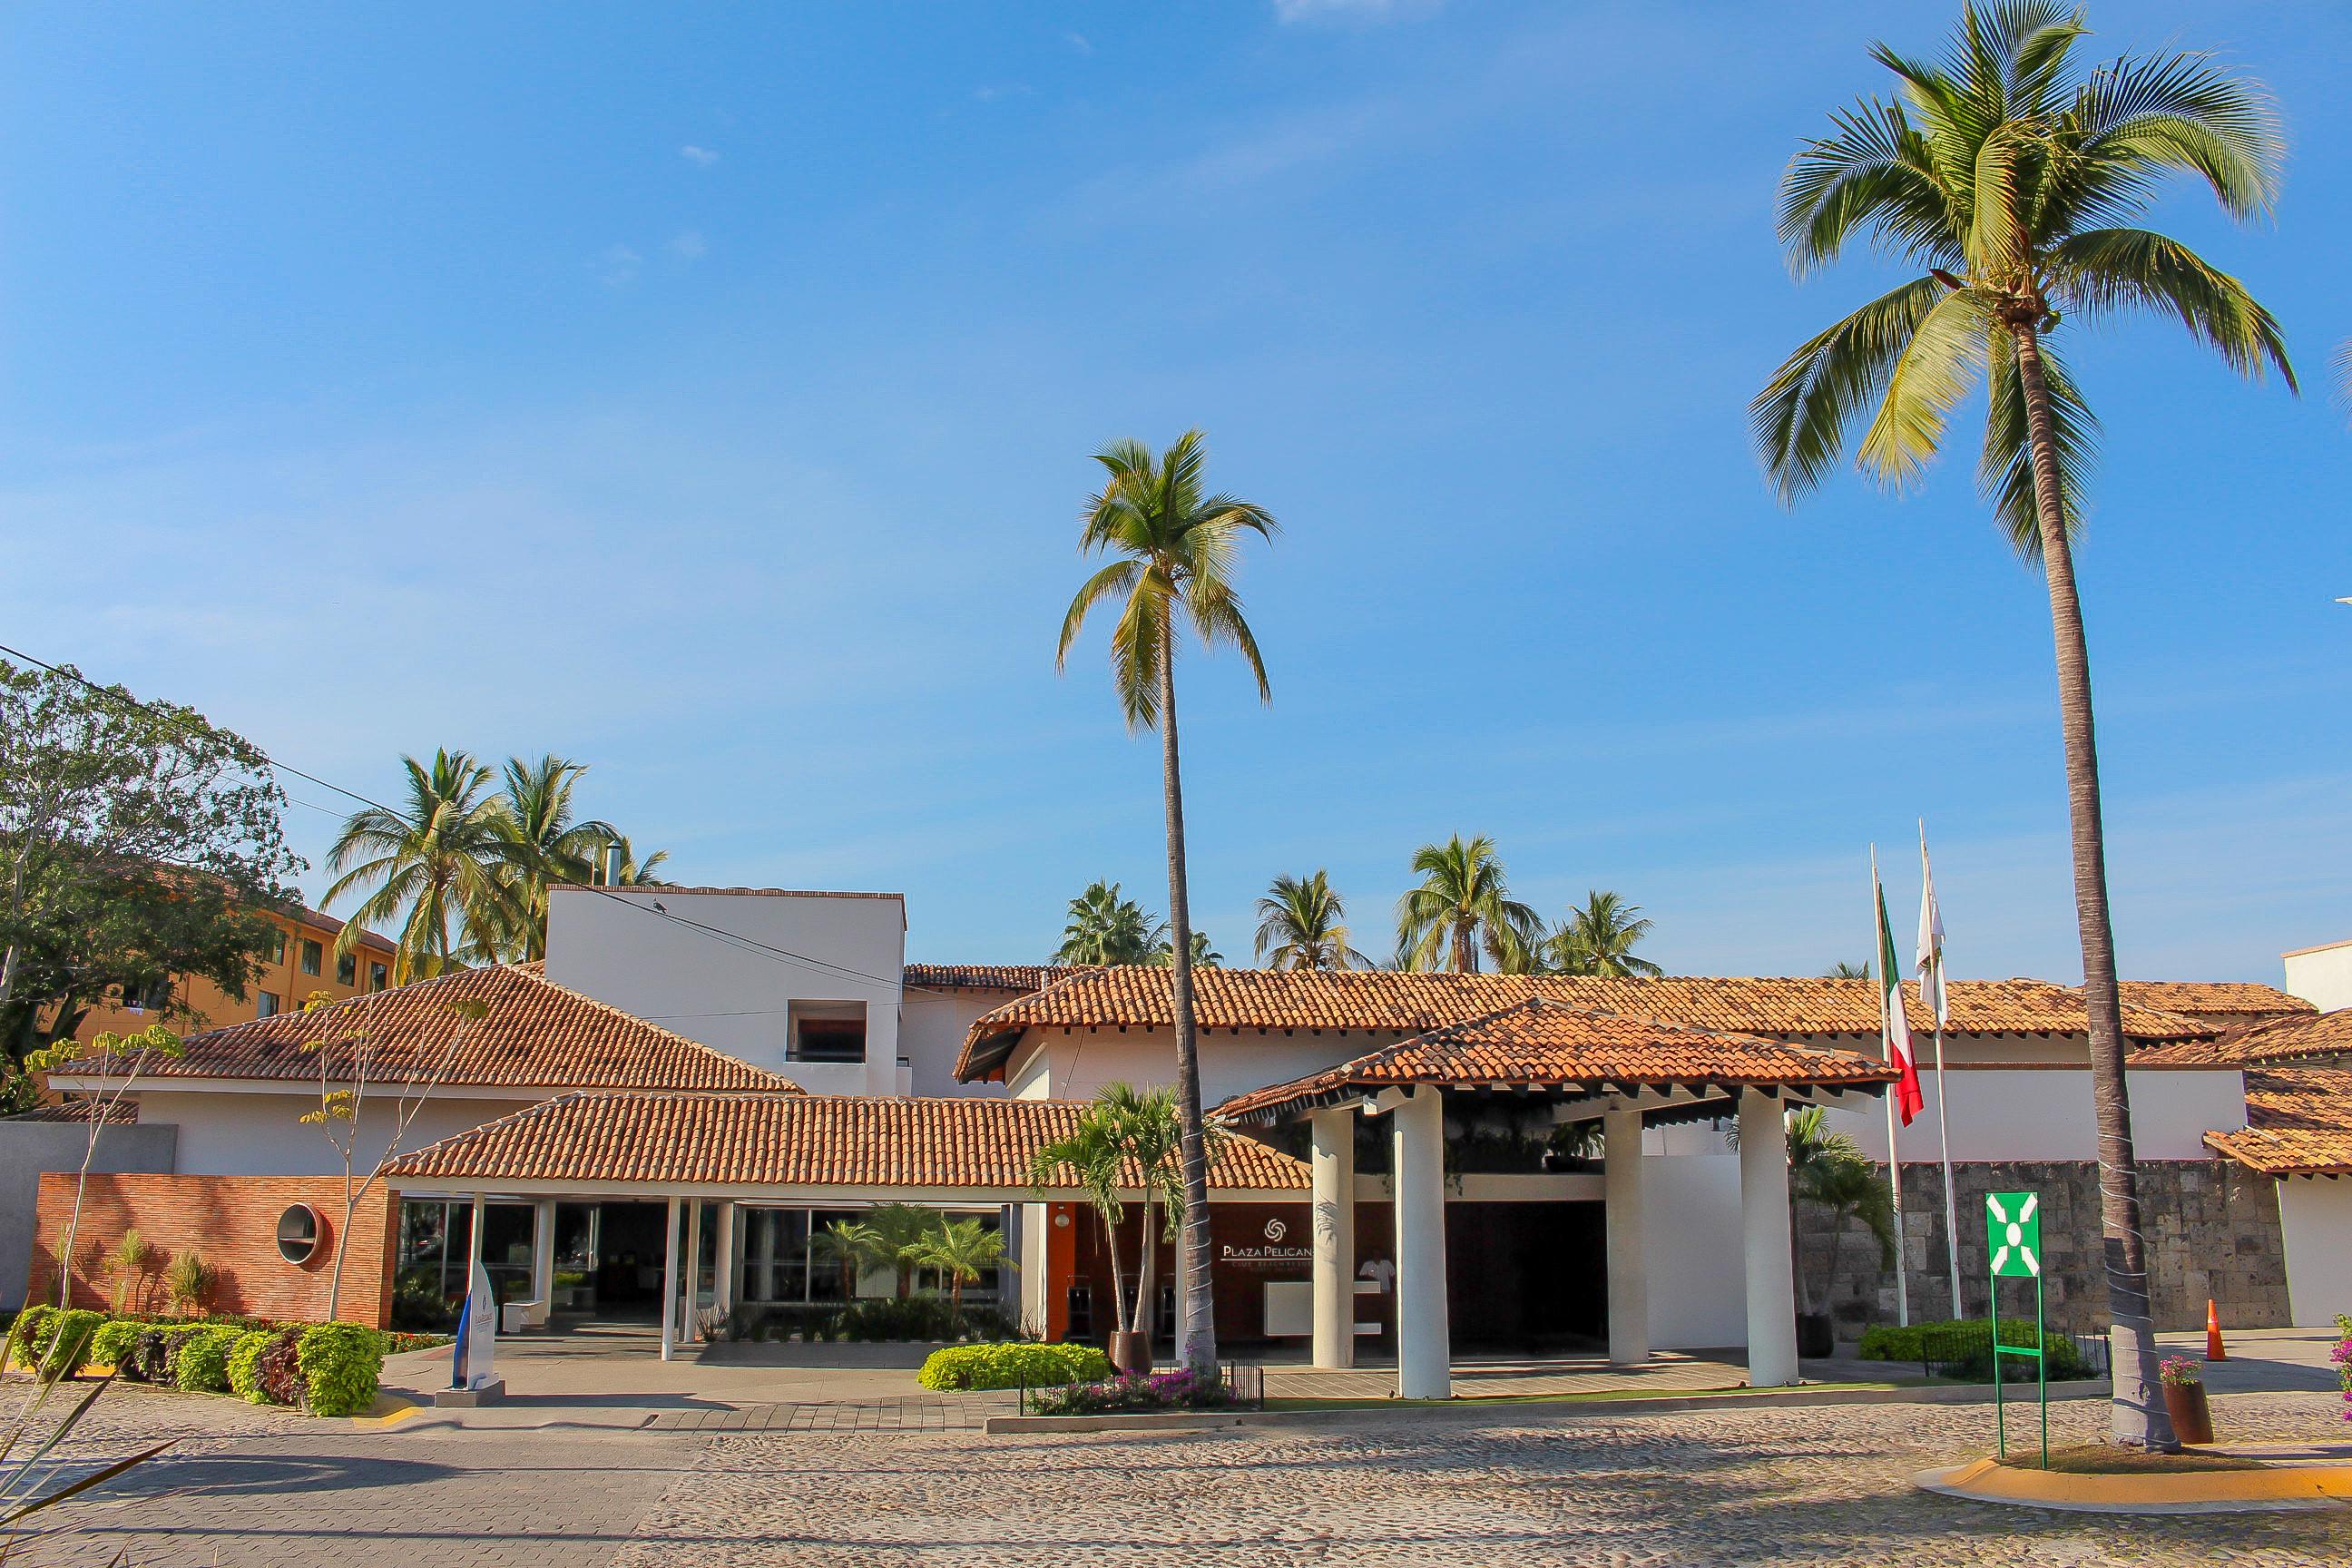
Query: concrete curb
{"x": 1002, "y": 1425}
{"x": 2275, "y": 1488}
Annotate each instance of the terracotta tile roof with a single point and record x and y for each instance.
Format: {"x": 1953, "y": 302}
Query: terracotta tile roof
{"x": 121, "y": 1112}
{"x": 536, "y": 1035}
{"x": 1542, "y": 1044}
{"x": 2299, "y": 1124}
{"x": 1021, "y": 977}
{"x": 2237, "y": 1001}
{"x": 2305, "y": 1037}
{"x": 762, "y": 1140}
{"x": 367, "y": 939}
{"x": 1406, "y": 1003}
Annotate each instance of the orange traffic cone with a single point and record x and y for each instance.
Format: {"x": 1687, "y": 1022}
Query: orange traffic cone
{"x": 2213, "y": 1351}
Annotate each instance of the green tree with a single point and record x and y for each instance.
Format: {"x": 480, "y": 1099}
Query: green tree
{"x": 1842, "y": 970}
{"x": 1126, "y": 1139}
{"x": 961, "y": 1251}
{"x": 1092, "y": 1155}
{"x": 1826, "y": 1170}
{"x": 902, "y": 1227}
{"x": 1204, "y": 952}
{"x": 543, "y": 846}
{"x": 1106, "y": 927}
{"x": 447, "y": 858}
{"x": 1177, "y": 547}
{"x": 851, "y": 1247}
{"x": 1599, "y": 938}
{"x": 2006, "y": 177}
{"x": 1302, "y": 924}
{"x": 1463, "y": 905}
{"x": 139, "y": 843}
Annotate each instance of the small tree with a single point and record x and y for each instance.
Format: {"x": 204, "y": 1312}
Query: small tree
{"x": 116, "y": 1061}
{"x": 1091, "y": 1156}
{"x": 190, "y": 1282}
{"x": 128, "y": 1266}
{"x": 849, "y": 1247}
{"x": 1128, "y": 1138}
{"x": 961, "y": 1251}
{"x": 901, "y": 1229}
{"x": 349, "y": 1060}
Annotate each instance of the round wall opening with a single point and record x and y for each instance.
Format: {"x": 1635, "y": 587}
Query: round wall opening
{"x": 298, "y": 1229}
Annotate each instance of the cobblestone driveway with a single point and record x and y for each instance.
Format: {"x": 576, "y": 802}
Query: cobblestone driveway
{"x": 1802, "y": 1486}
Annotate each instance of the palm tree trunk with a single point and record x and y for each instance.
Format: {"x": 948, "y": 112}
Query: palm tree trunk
{"x": 1198, "y": 1307}
{"x": 2137, "y": 1414}
{"x": 1117, "y": 1274}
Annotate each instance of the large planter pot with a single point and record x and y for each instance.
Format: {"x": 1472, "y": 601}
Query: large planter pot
{"x": 1816, "y": 1335}
{"x": 1130, "y": 1351}
{"x": 2193, "y": 1417}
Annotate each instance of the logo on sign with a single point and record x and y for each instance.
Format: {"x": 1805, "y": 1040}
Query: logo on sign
{"x": 1275, "y": 1230}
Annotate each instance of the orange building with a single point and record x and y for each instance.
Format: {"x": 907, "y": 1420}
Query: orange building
{"x": 303, "y": 963}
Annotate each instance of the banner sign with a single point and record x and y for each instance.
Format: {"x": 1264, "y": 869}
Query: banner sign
{"x": 478, "y": 1328}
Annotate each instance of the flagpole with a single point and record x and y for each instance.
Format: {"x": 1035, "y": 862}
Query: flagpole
{"x": 1890, "y": 991}
{"x": 1943, "y": 1125}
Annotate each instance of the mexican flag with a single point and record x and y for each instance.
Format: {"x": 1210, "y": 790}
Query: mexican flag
{"x": 1894, "y": 1027}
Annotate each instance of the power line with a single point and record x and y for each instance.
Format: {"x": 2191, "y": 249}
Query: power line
{"x": 735, "y": 938}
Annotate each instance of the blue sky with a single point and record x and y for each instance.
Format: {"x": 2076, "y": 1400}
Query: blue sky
{"x": 707, "y": 394}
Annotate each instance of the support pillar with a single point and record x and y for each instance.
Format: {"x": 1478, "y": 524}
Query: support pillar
{"x": 542, "y": 1257}
{"x": 1424, "y": 1352}
{"x": 1333, "y": 1168}
{"x": 669, "y": 1284}
{"x": 1628, "y": 1274}
{"x": 690, "y": 1328}
{"x": 1764, "y": 1225}
{"x": 722, "y": 1280}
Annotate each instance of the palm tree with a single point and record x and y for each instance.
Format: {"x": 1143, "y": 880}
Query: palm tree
{"x": 1151, "y": 1136}
{"x": 1842, "y": 970}
{"x": 851, "y": 1247}
{"x": 1204, "y": 952}
{"x": 1463, "y": 905}
{"x": 1105, "y": 928}
{"x": 1301, "y": 925}
{"x": 901, "y": 1229}
{"x": 1092, "y": 1154}
{"x": 544, "y": 846}
{"x": 1599, "y": 938}
{"x": 961, "y": 1251}
{"x": 1177, "y": 547}
{"x": 1998, "y": 171}
{"x": 1826, "y": 1170}
{"x": 442, "y": 859}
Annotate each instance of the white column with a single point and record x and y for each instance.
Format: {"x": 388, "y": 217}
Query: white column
{"x": 473, "y": 1241}
{"x": 690, "y": 1327}
{"x": 1036, "y": 1223}
{"x": 1333, "y": 1221}
{"x": 1628, "y": 1274}
{"x": 1424, "y": 1357}
{"x": 1764, "y": 1223}
{"x": 723, "y": 1279}
{"x": 669, "y": 1283}
{"x": 543, "y": 1257}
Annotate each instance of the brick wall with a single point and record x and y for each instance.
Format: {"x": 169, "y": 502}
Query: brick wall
{"x": 2212, "y": 1230}
{"x": 232, "y": 1223}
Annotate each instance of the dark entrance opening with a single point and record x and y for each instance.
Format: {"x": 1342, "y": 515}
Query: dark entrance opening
{"x": 1528, "y": 1276}
{"x": 608, "y": 1261}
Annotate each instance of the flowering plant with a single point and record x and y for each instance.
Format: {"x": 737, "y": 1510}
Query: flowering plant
{"x": 2342, "y": 1357}
{"x": 2180, "y": 1372}
{"x": 1179, "y": 1389}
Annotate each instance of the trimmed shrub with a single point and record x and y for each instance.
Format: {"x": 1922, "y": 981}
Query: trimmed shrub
{"x": 28, "y": 1333}
{"x": 245, "y": 1365}
{"x": 340, "y": 1364}
{"x": 282, "y": 1368}
{"x": 204, "y": 1358}
{"x": 1180, "y": 1389}
{"x": 1965, "y": 1348}
{"x": 1012, "y": 1365}
{"x": 65, "y": 1347}
{"x": 110, "y": 1346}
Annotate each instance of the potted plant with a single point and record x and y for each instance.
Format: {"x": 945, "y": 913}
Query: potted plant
{"x": 2184, "y": 1399}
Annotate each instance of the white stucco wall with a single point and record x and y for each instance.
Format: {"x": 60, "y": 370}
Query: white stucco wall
{"x": 2321, "y": 975}
{"x": 1057, "y": 1066}
{"x": 731, "y": 997}
{"x": 1692, "y": 1244}
{"x": 931, "y": 1027}
{"x": 2316, "y": 1223}
{"x": 2045, "y": 1113}
{"x": 247, "y": 1134}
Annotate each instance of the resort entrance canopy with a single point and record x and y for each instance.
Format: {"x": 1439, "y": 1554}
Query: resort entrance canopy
{"x": 1583, "y": 1064}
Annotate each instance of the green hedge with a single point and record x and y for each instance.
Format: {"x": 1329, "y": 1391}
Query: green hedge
{"x": 204, "y": 1358}
{"x": 28, "y": 1333}
{"x": 1011, "y": 1365}
{"x": 340, "y": 1364}
{"x": 110, "y": 1346}
{"x": 65, "y": 1348}
{"x": 1966, "y": 1345}
{"x": 245, "y": 1365}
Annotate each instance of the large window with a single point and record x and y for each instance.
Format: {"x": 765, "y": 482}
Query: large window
{"x": 312, "y": 955}
{"x": 378, "y": 976}
{"x": 346, "y": 969}
{"x": 265, "y": 1005}
{"x": 434, "y": 1243}
{"x": 785, "y": 1258}
{"x": 827, "y": 1032}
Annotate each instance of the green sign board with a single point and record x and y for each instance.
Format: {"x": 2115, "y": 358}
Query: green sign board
{"x": 2013, "y": 1230}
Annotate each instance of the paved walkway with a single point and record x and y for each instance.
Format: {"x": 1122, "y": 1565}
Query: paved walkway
{"x": 1492, "y": 1379}
{"x": 917, "y": 1412}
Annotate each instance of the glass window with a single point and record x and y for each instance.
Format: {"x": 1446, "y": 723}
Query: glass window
{"x": 311, "y": 955}
{"x": 775, "y": 1255}
{"x": 278, "y": 947}
{"x": 346, "y": 969}
{"x": 827, "y": 1032}
{"x": 266, "y": 1005}
{"x": 378, "y": 976}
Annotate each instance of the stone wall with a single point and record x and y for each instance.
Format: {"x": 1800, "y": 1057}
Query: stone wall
{"x": 2212, "y": 1231}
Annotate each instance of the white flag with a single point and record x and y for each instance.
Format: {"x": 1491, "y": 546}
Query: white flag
{"x": 1930, "y": 958}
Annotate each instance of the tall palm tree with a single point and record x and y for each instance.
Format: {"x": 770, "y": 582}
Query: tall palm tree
{"x": 544, "y": 846}
{"x": 442, "y": 859}
{"x": 1599, "y": 939}
{"x": 1177, "y": 547}
{"x": 1093, "y": 1155}
{"x": 1301, "y": 924}
{"x": 1105, "y": 928}
{"x": 2001, "y": 173}
{"x": 1464, "y": 905}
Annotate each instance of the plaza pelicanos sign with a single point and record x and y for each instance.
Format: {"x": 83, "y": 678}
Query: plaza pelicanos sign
{"x": 1273, "y": 1254}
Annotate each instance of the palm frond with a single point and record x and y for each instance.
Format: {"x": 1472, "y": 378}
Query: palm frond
{"x": 1804, "y": 416}
{"x": 1941, "y": 362}
{"x": 2104, "y": 271}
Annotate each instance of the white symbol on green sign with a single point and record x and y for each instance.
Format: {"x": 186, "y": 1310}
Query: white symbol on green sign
{"x": 2015, "y": 1220}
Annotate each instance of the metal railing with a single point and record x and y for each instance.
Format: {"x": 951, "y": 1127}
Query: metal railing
{"x": 1963, "y": 1353}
